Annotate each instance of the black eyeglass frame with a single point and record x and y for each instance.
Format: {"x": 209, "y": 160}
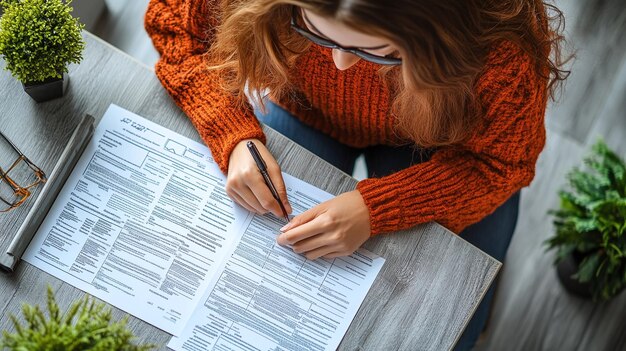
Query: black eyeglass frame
{"x": 381, "y": 60}
{"x": 23, "y": 192}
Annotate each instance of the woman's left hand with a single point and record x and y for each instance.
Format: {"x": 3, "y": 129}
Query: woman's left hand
{"x": 334, "y": 228}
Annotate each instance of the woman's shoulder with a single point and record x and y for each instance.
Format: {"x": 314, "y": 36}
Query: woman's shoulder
{"x": 503, "y": 51}
{"x": 506, "y": 54}
{"x": 198, "y": 17}
{"x": 507, "y": 67}
{"x": 203, "y": 16}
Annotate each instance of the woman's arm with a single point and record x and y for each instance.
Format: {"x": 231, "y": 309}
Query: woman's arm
{"x": 461, "y": 185}
{"x": 182, "y": 31}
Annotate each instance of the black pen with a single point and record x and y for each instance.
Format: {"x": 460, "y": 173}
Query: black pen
{"x": 263, "y": 169}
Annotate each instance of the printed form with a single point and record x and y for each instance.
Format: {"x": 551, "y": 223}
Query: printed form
{"x": 144, "y": 223}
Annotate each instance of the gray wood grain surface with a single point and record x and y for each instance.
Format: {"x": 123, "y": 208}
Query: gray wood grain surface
{"x": 429, "y": 286}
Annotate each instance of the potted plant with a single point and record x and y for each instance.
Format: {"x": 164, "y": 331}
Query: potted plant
{"x": 590, "y": 236}
{"x": 38, "y": 39}
{"x": 91, "y": 330}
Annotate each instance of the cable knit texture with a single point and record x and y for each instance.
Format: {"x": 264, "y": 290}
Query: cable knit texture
{"x": 458, "y": 186}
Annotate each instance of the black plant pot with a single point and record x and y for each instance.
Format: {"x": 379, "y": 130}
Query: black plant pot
{"x": 566, "y": 269}
{"x": 49, "y": 89}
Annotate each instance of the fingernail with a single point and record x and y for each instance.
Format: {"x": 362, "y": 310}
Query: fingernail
{"x": 279, "y": 240}
{"x": 285, "y": 227}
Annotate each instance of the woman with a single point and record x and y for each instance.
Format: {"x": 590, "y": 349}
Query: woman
{"x": 445, "y": 98}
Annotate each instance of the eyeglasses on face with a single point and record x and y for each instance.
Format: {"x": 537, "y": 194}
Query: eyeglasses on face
{"x": 13, "y": 194}
{"x": 381, "y": 60}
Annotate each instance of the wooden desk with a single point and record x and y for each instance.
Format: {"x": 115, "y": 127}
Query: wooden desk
{"x": 424, "y": 296}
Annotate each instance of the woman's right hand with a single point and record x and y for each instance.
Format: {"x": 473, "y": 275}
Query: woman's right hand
{"x": 245, "y": 184}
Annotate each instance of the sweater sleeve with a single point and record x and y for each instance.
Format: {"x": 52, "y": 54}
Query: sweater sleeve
{"x": 462, "y": 184}
{"x": 181, "y": 31}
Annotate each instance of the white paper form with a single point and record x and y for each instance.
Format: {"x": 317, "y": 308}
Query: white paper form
{"x": 141, "y": 223}
{"x": 269, "y": 298}
{"x": 144, "y": 223}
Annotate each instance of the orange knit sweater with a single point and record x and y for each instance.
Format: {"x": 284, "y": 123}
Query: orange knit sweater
{"x": 458, "y": 186}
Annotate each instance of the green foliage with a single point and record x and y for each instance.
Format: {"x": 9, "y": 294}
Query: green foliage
{"x": 39, "y": 38}
{"x": 91, "y": 331}
{"x": 592, "y": 220}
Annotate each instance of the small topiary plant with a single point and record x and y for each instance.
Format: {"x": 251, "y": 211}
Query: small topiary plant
{"x": 92, "y": 329}
{"x": 39, "y": 38}
{"x": 591, "y": 222}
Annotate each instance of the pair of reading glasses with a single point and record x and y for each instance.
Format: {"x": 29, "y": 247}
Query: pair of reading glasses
{"x": 13, "y": 194}
{"x": 381, "y": 60}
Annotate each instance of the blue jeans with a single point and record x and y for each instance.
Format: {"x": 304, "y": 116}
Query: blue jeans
{"x": 492, "y": 234}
